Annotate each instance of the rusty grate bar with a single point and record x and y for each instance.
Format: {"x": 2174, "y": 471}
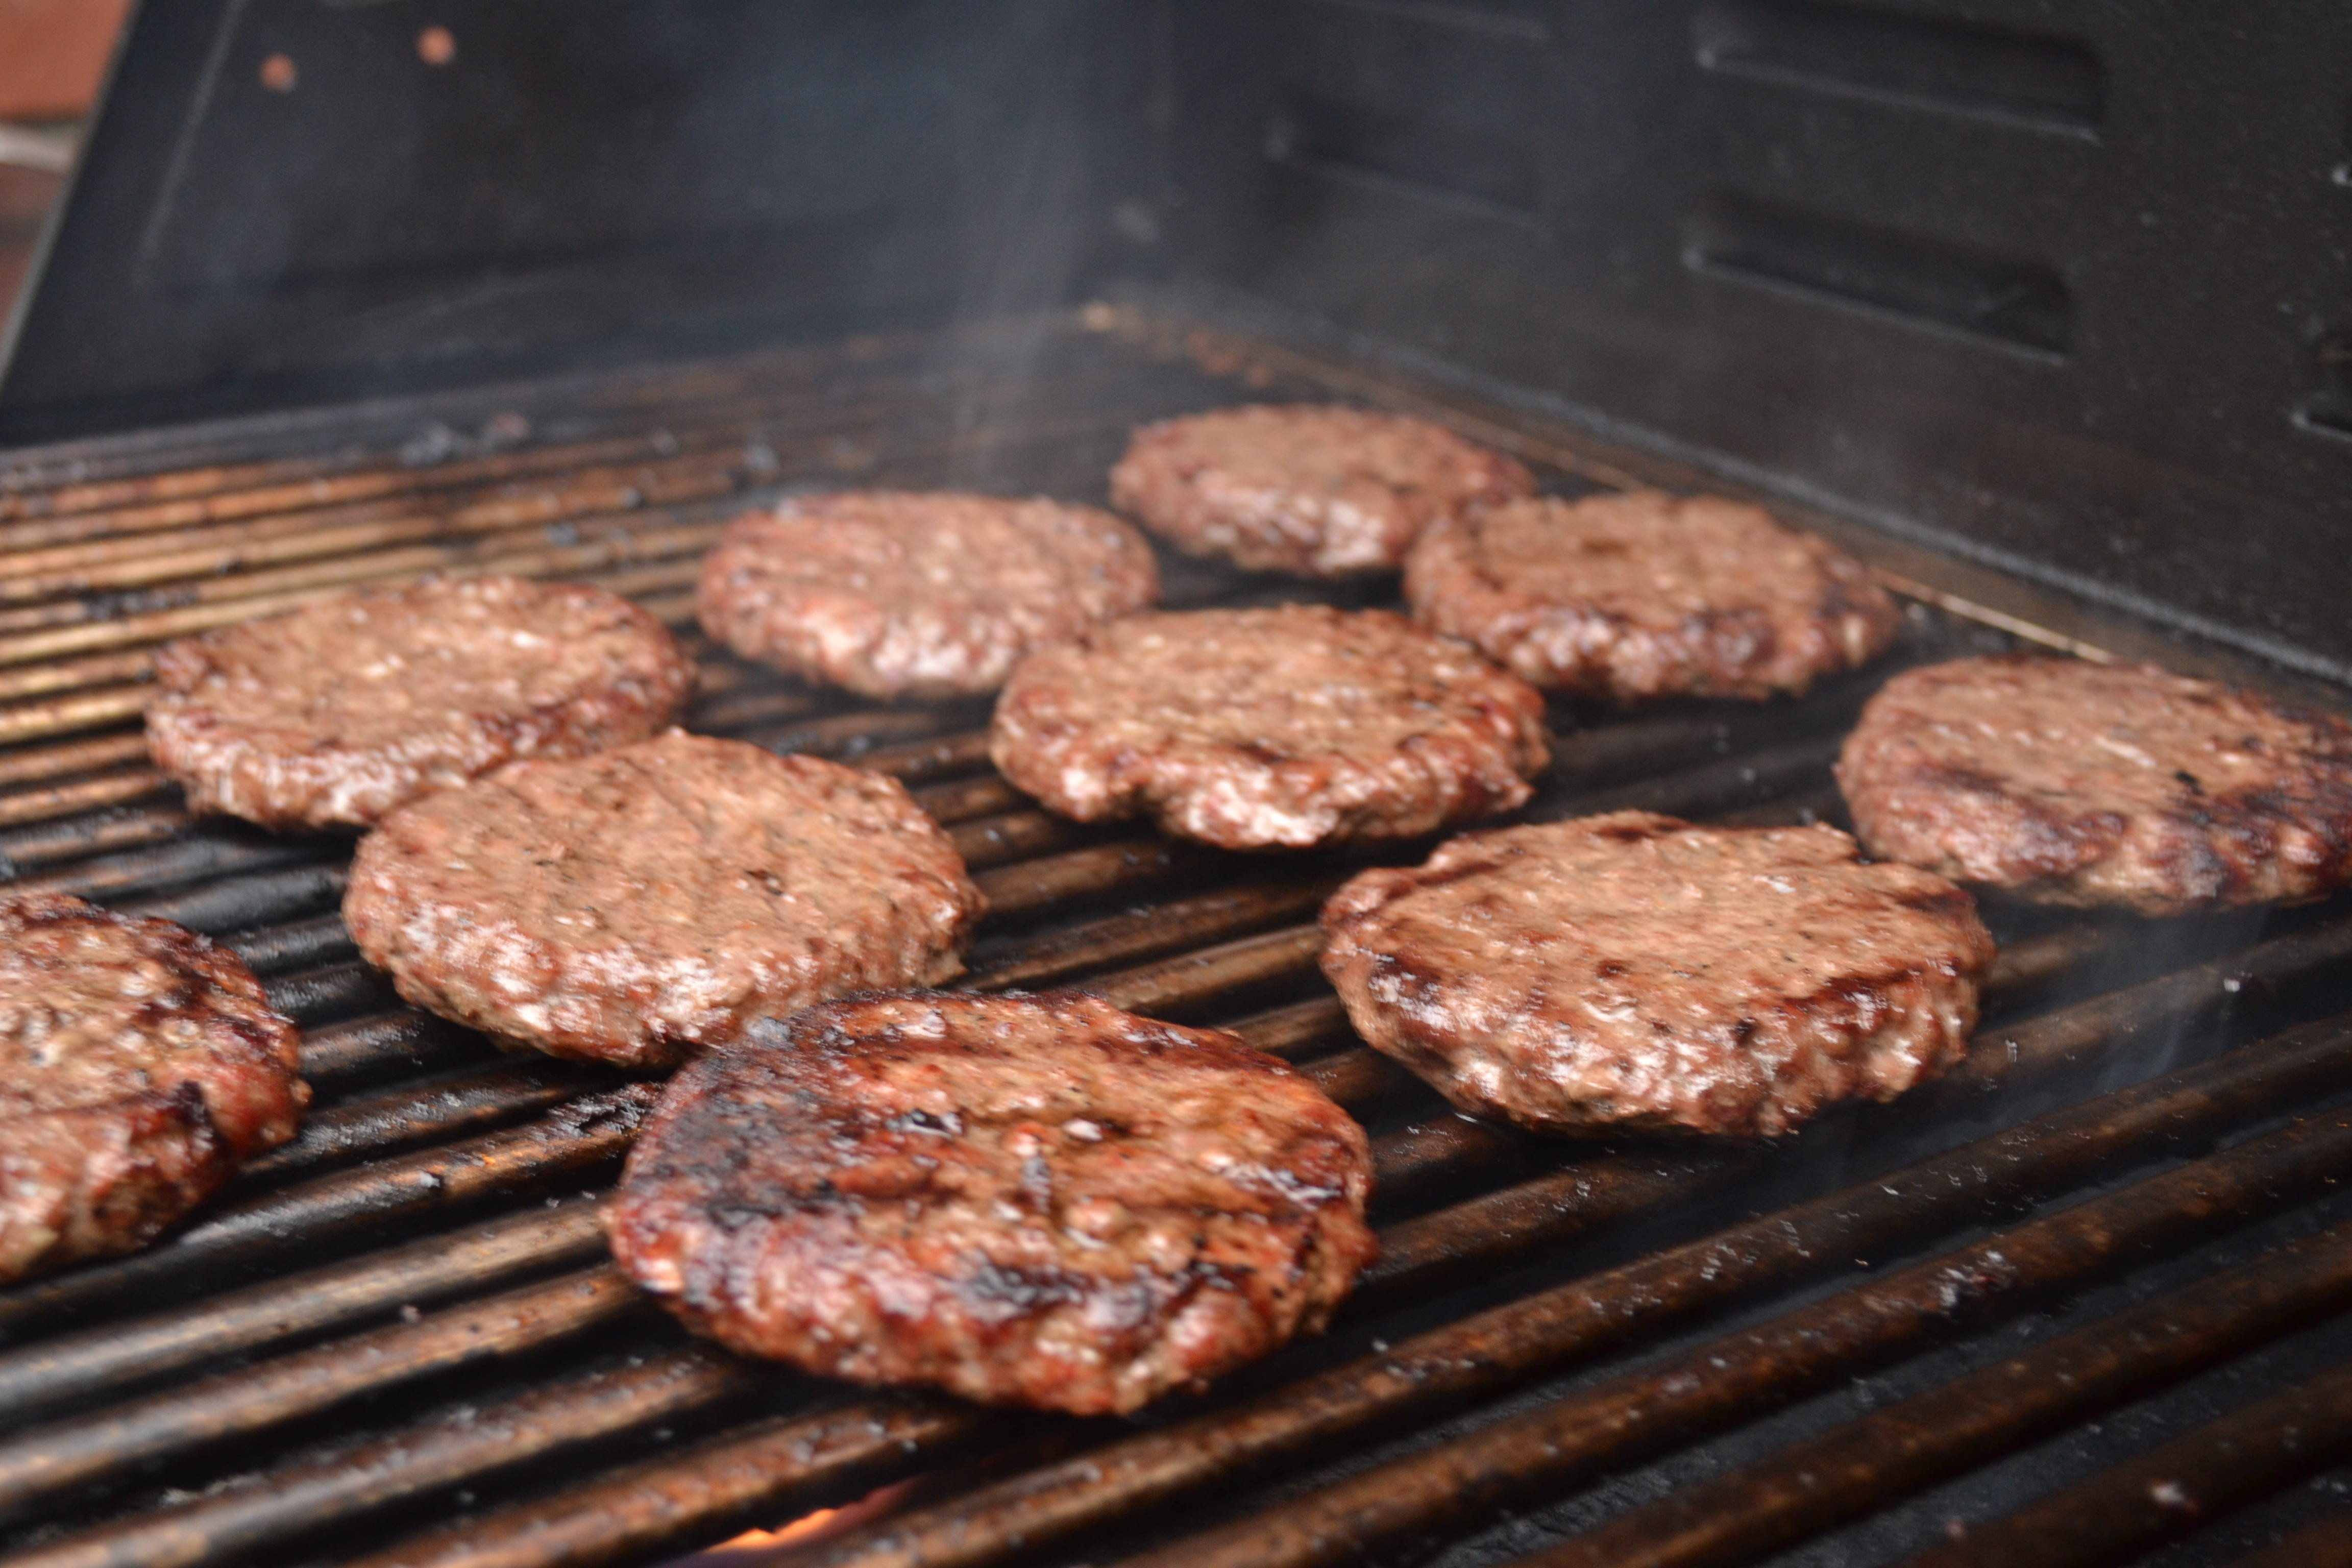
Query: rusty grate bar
{"x": 1867, "y": 1463}
{"x": 1486, "y": 1354}
{"x": 512, "y": 1091}
{"x": 2216, "y": 1468}
{"x": 287, "y": 1387}
{"x": 581, "y": 1141}
{"x": 466, "y": 1444}
{"x": 1876, "y": 1318}
{"x": 67, "y": 1366}
{"x": 68, "y": 1454}
{"x": 2327, "y": 1543}
{"x": 1748, "y": 1374}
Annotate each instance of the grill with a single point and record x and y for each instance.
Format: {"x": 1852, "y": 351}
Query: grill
{"x": 2074, "y": 1302}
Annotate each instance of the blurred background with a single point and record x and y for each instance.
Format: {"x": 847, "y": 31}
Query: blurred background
{"x": 52, "y": 54}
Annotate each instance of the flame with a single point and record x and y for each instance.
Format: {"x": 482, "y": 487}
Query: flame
{"x": 800, "y": 1529}
{"x": 749, "y": 1549}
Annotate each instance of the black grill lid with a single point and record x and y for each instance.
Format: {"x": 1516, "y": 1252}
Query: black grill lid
{"x": 2055, "y": 284}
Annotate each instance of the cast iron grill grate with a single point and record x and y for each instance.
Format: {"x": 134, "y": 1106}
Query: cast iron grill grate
{"x": 397, "y": 1341}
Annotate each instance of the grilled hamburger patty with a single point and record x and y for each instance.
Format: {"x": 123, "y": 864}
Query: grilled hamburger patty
{"x": 1646, "y": 595}
{"x": 1321, "y": 492}
{"x": 1029, "y": 1200}
{"x": 1634, "y": 971}
{"x": 897, "y": 594}
{"x": 1248, "y": 729}
{"x": 139, "y": 1064}
{"x": 2071, "y": 783}
{"x": 345, "y": 709}
{"x": 639, "y": 905}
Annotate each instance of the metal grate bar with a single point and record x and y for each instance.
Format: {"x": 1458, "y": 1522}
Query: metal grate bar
{"x": 73, "y": 1365}
{"x": 1744, "y": 1375}
{"x": 1493, "y": 1351}
{"x": 2171, "y": 1490}
{"x": 461, "y": 1103}
{"x": 761, "y": 1473}
{"x": 361, "y": 1050}
{"x": 469, "y": 1443}
{"x": 2325, "y": 1545}
{"x": 1866, "y": 1464}
{"x": 68, "y": 1455}
{"x": 567, "y": 1148}
{"x": 296, "y": 1385}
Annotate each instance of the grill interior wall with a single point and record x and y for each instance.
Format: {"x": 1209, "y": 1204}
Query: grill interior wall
{"x": 395, "y": 1340}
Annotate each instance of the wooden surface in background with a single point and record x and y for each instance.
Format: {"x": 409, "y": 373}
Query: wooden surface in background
{"x": 52, "y": 54}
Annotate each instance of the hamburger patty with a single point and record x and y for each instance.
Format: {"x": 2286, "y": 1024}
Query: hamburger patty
{"x": 2072, "y": 783}
{"x": 1028, "y": 1200}
{"x": 895, "y": 594}
{"x": 1319, "y": 491}
{"x": 1646, "y": 595}
{"x": 139, "y": 1064}
{"x": 345, "y": 709}
{"x": 1248, "y": 729}
{"x": 1634, "y": 971}
{"x": 639, "y": 905}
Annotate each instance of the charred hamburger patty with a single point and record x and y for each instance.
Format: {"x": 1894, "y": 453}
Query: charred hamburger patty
{"x": 1634, "y": 971}
{"x": 2072, "y": 783}
{"x": 1247, "y": 729}
{"x": 1648, "y": 594}
{"x": 139, "y": 1064}
{"x": 345, "y": 709}
{"x": 1299, "y": 488}
{"x": 645, "y": 903}
{"x": 895, "y": 594}
{"x": 1029, "y": 1200}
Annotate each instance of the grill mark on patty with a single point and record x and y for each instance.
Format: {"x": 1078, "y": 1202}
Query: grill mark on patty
{"x": 1034, "y": 1200}
{"x": 2073, "y": 783}
{"x": 1262, "y": 728}
{"x": 604, "y": 908}
{"x": 1319, "y": 491}
{"x": 850, "y": 590}
{"x": 338, "y": 712}
{"x": 1644, "y": 595}
{"x": 1628, "y": 976}
{"x": 139, "y": 1064}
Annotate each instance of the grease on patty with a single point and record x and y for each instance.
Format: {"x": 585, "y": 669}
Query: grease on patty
{"x": 641, "y": 905}
{"x": 1646, "y": 595}
{"x": 2070, "y": 782}
{"x": 1264, "y": 728}
{"x": 1634, "y": 971}
{"x": 1027, "y": 1200}
{"x": 1319, "y": 491}
{"x": 140, "y": 1064}
{"x": 345, "y": 709}
{"x": 894, "y": 594}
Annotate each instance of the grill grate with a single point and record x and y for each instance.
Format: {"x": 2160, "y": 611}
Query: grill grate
{"x": 397, "y": 1340}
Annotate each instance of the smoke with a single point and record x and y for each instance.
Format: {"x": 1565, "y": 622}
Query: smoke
{"x": 1028, "y": 223}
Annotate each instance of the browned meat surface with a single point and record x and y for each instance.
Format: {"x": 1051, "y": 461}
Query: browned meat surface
{"x": 139, "y": 1064}
{"x": 345, "y": 709}
{"x": 895, "y": 594}
{"x": 643, "y": 904}
{"x": 1286, "y": 727}
{"x": 1634, "y": 971}
{"x": 1321, "y": 492}
{"x": 2071, "y": 783}
{"x": 1027, "y": 1200}
{"x": 1645, "y": 594}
